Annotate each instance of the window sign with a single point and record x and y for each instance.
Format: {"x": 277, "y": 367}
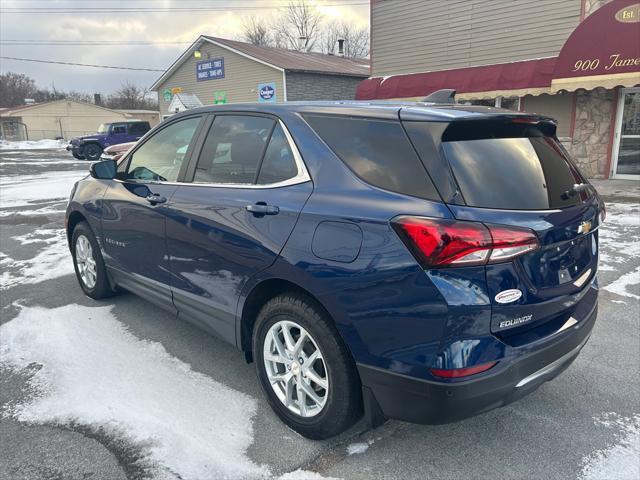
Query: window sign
{"x": 266, "y": 92}
{"x": 166, "y": 94}
{"x": 210, "y": 69}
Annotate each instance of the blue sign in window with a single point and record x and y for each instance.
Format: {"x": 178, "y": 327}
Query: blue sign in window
{"x": 210, "y": 69}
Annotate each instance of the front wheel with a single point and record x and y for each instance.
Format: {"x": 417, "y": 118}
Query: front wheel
{"x": 88, "y": 263}
{"x": 92, "y": 152}
{"x": 305, "y": 370}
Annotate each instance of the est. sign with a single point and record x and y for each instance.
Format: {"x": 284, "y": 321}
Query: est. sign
{"x": 266, "y": 92}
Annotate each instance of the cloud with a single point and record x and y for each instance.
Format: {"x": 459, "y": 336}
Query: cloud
{"x": 147, "y": 26}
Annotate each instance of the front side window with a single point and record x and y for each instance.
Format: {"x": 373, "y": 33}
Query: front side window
{"x": 233, "y": 149}
{"x": 160, "y": 157}
{"x": 104, "y": 127}
{"x": 115, "y": 129}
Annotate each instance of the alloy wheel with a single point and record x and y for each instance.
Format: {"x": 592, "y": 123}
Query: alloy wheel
{"x": 296, "y": 368}
{"x": 85, "y": 262}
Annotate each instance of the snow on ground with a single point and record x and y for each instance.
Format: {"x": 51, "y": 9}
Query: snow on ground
{"x": 95, "y": 373}
{"x": 52, "y": 260}
{"x": 32, "y": 144}
{"x": 304, "y": 475}
{"x": 620, "y": 461}
{"x": 619, "y": 245}
{"x": 621, "y": 284}
{"x": 359, "y": 447}
{"x": 27, "y": 190}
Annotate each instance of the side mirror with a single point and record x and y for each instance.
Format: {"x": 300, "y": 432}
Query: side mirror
{"x": 104, "y": 170}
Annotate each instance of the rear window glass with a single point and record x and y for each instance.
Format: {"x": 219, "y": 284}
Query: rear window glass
{"x": 378, "y": 151}
{"x": 515, "y": 173}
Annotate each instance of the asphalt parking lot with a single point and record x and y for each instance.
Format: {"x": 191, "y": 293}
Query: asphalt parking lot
{"x": 120, "y": 389}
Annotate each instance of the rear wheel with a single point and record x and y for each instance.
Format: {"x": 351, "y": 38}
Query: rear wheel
{"x": 304, "y": 367}
{"x": 92, "y": 152}
{"x": 88, "y": 263}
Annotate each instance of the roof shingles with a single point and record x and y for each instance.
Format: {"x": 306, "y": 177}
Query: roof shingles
{"x": 293, "y": 60}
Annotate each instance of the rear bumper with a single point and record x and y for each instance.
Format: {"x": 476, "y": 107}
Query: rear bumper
{"x": 430, "y": 402}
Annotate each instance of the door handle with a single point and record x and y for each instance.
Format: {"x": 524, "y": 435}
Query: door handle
{"x": 262, "y": 208}
{"x": 155, "y": 198}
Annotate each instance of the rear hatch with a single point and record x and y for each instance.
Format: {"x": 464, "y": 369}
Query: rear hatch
{"x": 512, "y": 171}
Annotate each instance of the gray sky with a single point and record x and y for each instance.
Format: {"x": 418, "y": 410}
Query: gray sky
{"x": 223, "y": 18}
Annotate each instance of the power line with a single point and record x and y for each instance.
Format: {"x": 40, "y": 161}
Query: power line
{"x": 89, "y": 42}
{"x": 191, "y": 9}
{"x": 82, "y": 64}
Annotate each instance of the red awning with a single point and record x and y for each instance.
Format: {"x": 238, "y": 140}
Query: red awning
{"x": 603, "y": 51}
{"x": 524, "y": 75}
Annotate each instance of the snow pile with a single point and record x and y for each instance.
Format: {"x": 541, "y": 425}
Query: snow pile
{"x": 97, "y": 374}
{"x": 33, "y": 145}
{"x": 52, "y": 260}
{"x": 27, "y": 190}
{"x": 620, "y": 461}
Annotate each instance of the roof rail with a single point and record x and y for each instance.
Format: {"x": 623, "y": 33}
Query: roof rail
{"x": 446, "y": 95}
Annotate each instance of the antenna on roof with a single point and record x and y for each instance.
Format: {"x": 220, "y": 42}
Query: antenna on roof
{"x": 446, "y": 95}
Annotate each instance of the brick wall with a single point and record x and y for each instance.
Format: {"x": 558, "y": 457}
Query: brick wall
{"x": 312, "y": 86}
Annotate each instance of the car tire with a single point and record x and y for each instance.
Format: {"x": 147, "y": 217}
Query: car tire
{"x": 92, "y": 152}
{"x": 341, "y": 401}
{"x": 77, "y": 156}
{"x": 89, "y": 264}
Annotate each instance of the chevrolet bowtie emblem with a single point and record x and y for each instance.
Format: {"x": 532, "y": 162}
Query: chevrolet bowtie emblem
{"x": 584, "y": 227}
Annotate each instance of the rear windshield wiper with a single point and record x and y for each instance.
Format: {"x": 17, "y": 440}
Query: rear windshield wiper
{"x": 576, "y": 189}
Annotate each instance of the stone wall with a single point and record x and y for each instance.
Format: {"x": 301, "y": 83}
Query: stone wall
{"x": 591, "y": 134}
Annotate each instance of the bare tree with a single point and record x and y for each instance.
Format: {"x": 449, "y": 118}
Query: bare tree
{"x": 255, "y": 30}
{"x": 14, "y": 88}
{"x": 356, "y": 40}
{"x": 130, "y": 96}
{"x": 298, "y": 27}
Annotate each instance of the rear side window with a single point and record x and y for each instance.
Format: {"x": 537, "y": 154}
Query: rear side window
{"x": 514, "y": 173}
{"x": 119, "y": 129}
{"x": 233, "y": 149}
{"x": 378, "y": 151}
{"x": 278, "y": 164}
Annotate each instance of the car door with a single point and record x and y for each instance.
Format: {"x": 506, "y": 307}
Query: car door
{"x": 135, "y": 208}
{"x": 118, "y": 134}
{"x": 248, "y": 187}
{"x": 136, "y": 131}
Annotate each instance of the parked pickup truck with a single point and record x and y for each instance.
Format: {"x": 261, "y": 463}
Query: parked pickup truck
{"x": 90, "y": 147}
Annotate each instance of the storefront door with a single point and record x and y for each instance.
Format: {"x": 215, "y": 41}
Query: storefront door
{"x": 626, "y": 149}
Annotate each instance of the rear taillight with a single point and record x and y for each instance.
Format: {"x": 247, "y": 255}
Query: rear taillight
{"x": 441, "y": 243}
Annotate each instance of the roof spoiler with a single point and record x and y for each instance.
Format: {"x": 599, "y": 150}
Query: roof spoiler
{"x": 446, "y": 95}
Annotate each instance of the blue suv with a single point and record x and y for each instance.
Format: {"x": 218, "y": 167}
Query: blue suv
{"x": 424, "y": 262}
{"x": 90, "y": 147}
